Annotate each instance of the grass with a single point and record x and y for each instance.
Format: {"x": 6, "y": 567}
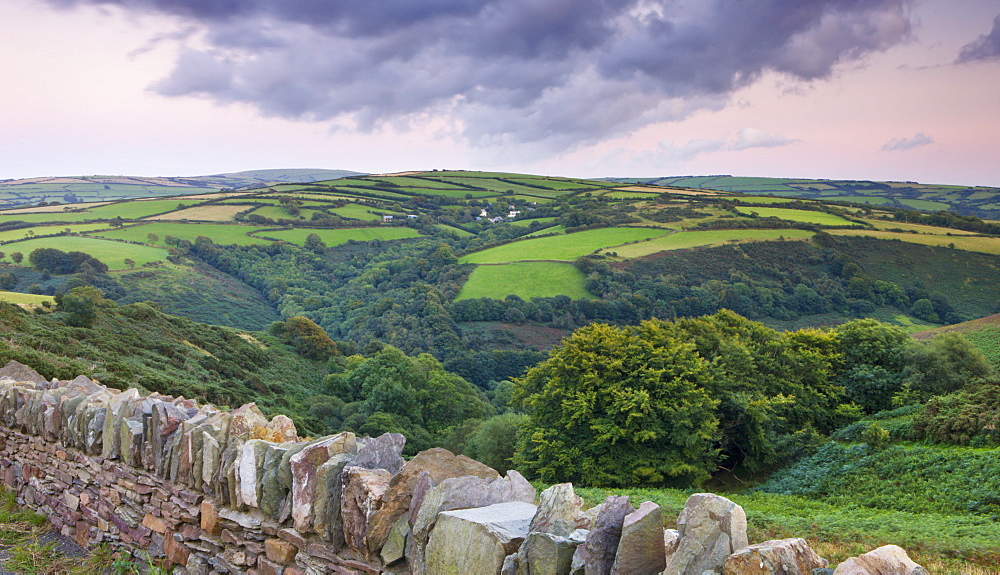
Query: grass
{"x": 110, "y": 252}
{"x": 981, "y": 244}
{"x": 454, "y": 231}
{"x": 23, "y": 233}
{"x": 209, "y": 213}
{"x": 685, "y": 240}
{"x": 525, "y": 280}
{"x": 927, "y": 205}
{"x": 805, "y": 216}
{"x": 336, "y": 237}
{"x": 220, "y": 233}
{"x": 764, "y": 200}
{"x": 919, "y": 228}
{"x": 356, "y": 212}
{"x": 526, "y": 223}
{"x": 27, "y": 300}
{"x": 565, "y": 247}
{"x": 547, "y": 231}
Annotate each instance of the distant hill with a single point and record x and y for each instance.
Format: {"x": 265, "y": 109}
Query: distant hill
{"x": 979, "y": 201}
{"x": 81, "y": 189}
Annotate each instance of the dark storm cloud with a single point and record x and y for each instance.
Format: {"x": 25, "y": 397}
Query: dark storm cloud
{"x": 551, "y": 72}
{"x": 986, "y": 47}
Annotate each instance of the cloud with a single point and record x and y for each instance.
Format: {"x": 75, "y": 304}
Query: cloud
{"x": 902, "y": 144}
{"x": 554, "y": 74}
{"x": 748, "y": 138}
{"x": 986, "y": 47}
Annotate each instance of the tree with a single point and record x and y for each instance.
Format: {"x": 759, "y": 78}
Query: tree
{"x": 152, "y": 238}
{"x": 315, "y": 243}
{"x": 81, "y": 304}
{"x": 874, "y": 362}
{"x": 18, "y": 257}
{"x": 308, "y": 339}
{"x": 495, "y": 440}
{"x": 944, "y": 364}
{"x": 129, "y": 262}
{"x": 609, "y": 408}
{"x": 7, "y": 280}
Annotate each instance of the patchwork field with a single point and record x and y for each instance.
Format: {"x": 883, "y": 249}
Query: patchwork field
{"x": 210, "y": 213}
{"x": 335, "y": 237}
{"x": 982, "y": 244}
{"x": 26, "y": 300}
{"x": 28, "y": 233}
{"x": 686, "y": 240}
{"x": 565, "y": 247}
{"x": 219, "y": 233}
{"x": 525, "y": 280}
{"x": 804, "y": 216}
{"x": 111, "y": 253}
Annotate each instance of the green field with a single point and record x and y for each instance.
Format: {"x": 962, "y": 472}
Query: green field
{"x": 982, "y": 244}
{"x": 335, "y": 237}
{"x": 24, "y": 299}
{"x": 526, "y": 223}
{"x": 111, "y": 253}
{"x": 454, "y": 231}
{"x": 547, "y": 231}
{"x": 685, "y": 240}
{"x": 927, "y": 205}
{"x": 804, "y": 216}
{"x": 565, "y": 247}
{"x": 525, "y": 280}
{"x": 356, "y": 212}
{"x": 219, "y": 233}
{"x": 23, "y": 233}
{"x": 764, "y": 200}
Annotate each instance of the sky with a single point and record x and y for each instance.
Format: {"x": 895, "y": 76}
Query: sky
{"x": 846, "y": 89}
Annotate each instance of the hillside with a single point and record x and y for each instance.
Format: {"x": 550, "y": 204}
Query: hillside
{"x": 979, "y": 201}
{"x": 139, "y": 346}
{"x": 81, "y": 189}
{"x": 454, "y": 262}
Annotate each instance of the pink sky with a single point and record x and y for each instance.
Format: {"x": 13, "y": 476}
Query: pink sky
{"x": 79, "y": 99}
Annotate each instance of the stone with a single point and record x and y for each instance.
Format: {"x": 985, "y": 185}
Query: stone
{"x": 21, "y": 373}
{"x": 640, "y": 549}
{"x": 559, "y": 511}
{"x": 175, "y": 551}
{"x": 360, "y": 498}
{"x": 282, "y": 429}
{"x": 210, "y": 517}
{"x": 249, "y": 465}
{"x": 461, "y": 493}
{"x": 671, "y": 540}
{"x": 303, "y": 465}
{"x": 382, "y": 452}
{"x": 280, "y": 551}
{"x": 711, "y": 528}
{"x": 327, "y": 520}
{"x": 888, "y": 559}
{"x": 477, "y": 540}
{"x": 155, "y": 523}
{"x": 272, "y": 492}
{"x": 394, "y": 547}
{"x": 545, "y": 554}
{"x": 602, "y": 541}
{"x": 267, "y": 567}
{"x": 439, "y": 464}
{"x": 781, "y": 557}
{"x": 243, "y": 420}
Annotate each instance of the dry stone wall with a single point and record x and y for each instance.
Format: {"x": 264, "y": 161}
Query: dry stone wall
{"x": 204, "y": 490}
